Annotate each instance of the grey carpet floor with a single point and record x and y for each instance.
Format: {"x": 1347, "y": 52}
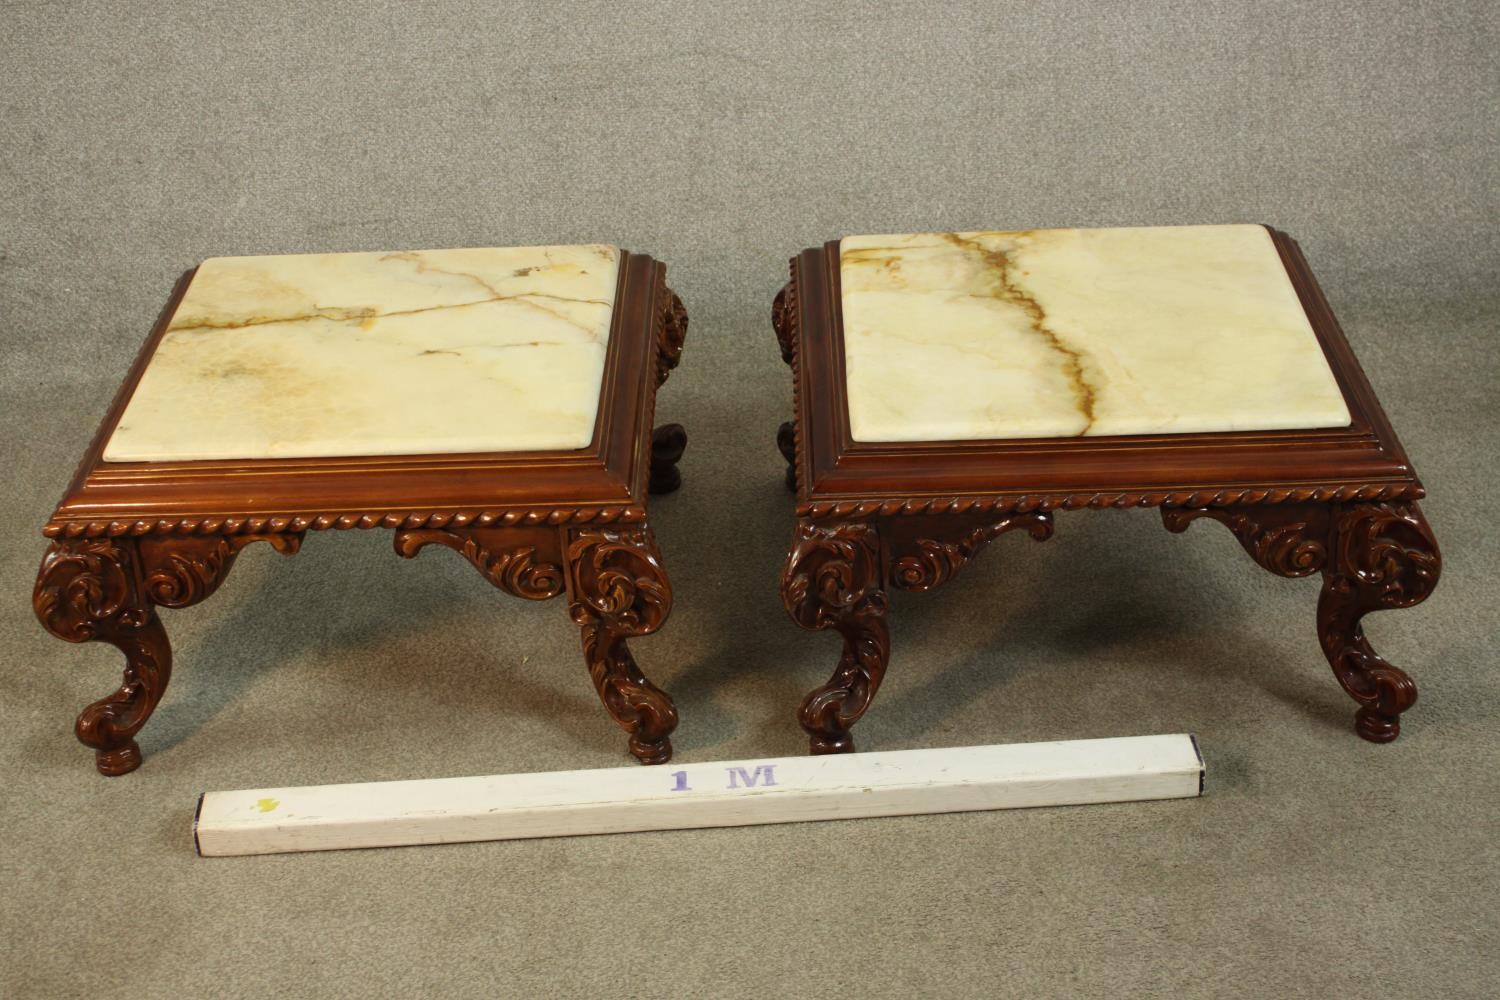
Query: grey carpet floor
{"x": 137, "y": 139}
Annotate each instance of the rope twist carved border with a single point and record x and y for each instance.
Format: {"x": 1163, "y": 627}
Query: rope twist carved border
{"x": 293, "y": 523}
{"x": 786, "y": 321}
{"x": 1077, "y": 501}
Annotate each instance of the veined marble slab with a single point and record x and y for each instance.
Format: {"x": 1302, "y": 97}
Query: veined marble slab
{"x": 1068, "y": 332}
{"x": 419, "y": 352}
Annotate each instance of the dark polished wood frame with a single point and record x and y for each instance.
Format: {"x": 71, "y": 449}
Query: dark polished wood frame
{"x": 873, "y": 517}
{"x": 129, "y": 537}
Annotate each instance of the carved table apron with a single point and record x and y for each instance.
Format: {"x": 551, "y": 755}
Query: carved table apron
{"x": 131, "y": 537}
{"x": 875, "y": 517}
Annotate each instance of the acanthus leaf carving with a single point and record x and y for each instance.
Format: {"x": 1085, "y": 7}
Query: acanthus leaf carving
{"x": 514, "y": 569}
{"x": 936, "y": 559}
{"x": 1389, "y": 550}
{"x": 87, "y": 590}
{"x": 833, "y": 580}
{"x": 1287, "y": 539}
{"x": 182, "y": 571}
{"x": 618, "y": 591}
{"x": 91, "y": 590}
{"x": 1386, "y": 557}
{"x": 671, "y": 332}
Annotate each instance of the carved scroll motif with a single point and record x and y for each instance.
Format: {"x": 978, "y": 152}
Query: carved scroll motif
{"x": 91, "y": 590}
{"x": 87, "y": 590}
{"x": 618, "y": 591}
{"x": 936, "y": 559}
{"x": 514, "y": 569}
{"x": 182, "y": 571}
{"x": 1287, "y": 539}
{"x": 671, "y": 333}
{"x": 1386, "y": 557}
{"x": 832, "y": 580}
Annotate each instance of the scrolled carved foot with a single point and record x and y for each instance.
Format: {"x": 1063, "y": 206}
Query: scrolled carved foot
{"x": 617, "y": 589}
{"x": 832, "y": 580}
{"x": 786, "y": 443}
{"x": 109, "y": 725}
{"x": 1384, "y": 556}
{"x": 92, "y": 590}
{"x": 668, "y": 442}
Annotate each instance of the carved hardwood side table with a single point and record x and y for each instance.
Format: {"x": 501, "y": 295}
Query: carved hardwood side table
{"x": 952, "y": 387}
{"x": 494, "y": 401}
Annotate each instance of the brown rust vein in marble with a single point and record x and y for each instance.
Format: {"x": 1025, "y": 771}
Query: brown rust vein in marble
{"x": 999, "y": 267}
{"x": 333, "y": 314}
{"x": 366, "y": 316}
{"x": 423, "y": 266}
{"x": 458, "y": 352}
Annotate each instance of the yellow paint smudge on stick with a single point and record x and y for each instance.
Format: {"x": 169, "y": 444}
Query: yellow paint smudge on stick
{"x": 266, "y": 805}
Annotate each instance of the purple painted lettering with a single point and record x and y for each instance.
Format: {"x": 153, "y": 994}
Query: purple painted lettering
{"x": 765, "y": 774}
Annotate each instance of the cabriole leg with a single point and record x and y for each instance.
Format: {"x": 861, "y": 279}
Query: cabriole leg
{"x": 91, "y": 590}
{"x": 107, "y": 590}
{"x": 617, "y": 589}
{"x": 1373, "y": 557}
{"x": 1384, "y": 557}
{"x": 832, "y": 579}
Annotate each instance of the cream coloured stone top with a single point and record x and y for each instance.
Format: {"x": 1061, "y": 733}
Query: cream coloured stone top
{"x": 1067, "y": 332}
{"x": 415, "y": 352}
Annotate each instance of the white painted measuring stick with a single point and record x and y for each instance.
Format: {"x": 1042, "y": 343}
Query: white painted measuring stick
{"x": 686, "y": 796}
